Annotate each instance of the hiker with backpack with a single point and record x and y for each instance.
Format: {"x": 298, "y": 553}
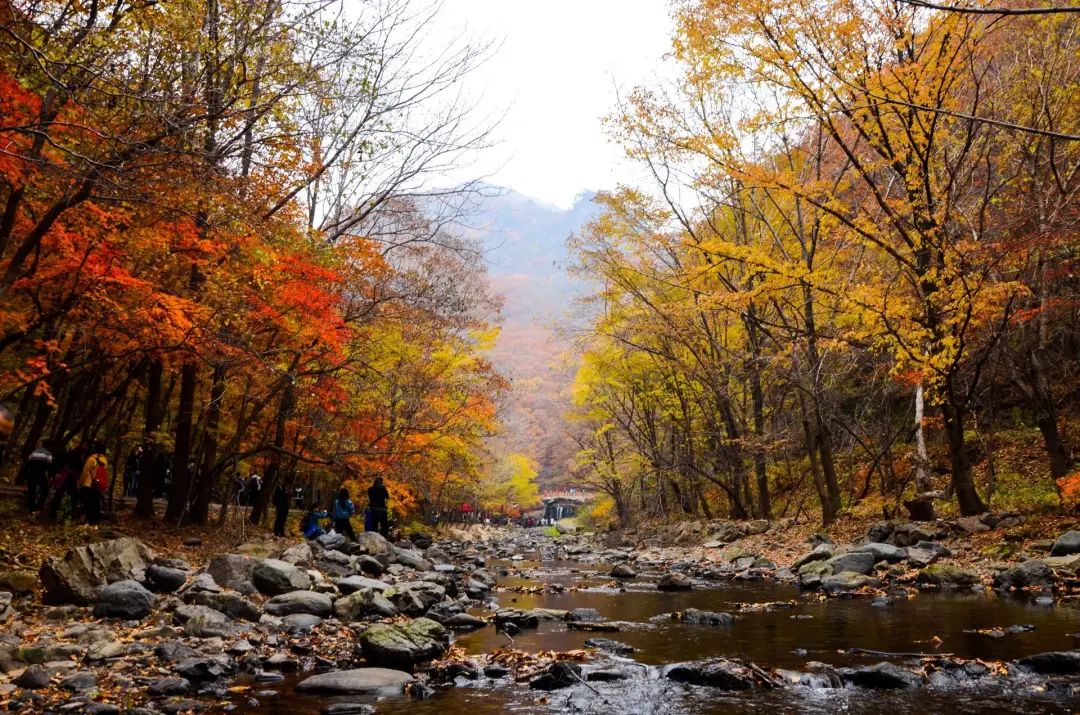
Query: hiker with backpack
{"x": 93, "y": 483}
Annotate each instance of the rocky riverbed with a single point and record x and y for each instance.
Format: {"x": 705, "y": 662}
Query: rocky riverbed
{"x": 692, "y": 618}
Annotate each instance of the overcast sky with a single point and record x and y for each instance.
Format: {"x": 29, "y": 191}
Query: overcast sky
{"x": 556, "y": 71}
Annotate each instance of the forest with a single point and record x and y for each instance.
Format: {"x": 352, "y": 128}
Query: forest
{"x": 224, "y": 248}
{"x": 852, "y": 273}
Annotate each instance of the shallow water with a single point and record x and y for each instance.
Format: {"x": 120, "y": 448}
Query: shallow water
{"x": 771, "y": 637}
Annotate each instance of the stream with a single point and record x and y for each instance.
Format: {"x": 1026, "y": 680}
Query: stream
{"x": 785, "y": 630}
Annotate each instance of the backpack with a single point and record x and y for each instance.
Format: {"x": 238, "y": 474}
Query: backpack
{"x": 101, "y": 478}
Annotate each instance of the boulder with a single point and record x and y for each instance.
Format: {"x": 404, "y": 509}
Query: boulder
{"x": 821, "y": 552}
{"x": 404, "y": 644}
{"x": 883, "y": 552}
{"x": 674, "y": 581}
{"x": 274, "y": 577}
{"x": 847, "y": 581}
{"x": 421, "y": 539}
{"x": 711, "y": 618}
{"x": 300, "y": 622}
{"x": 717, "y": 673}
{"x": 623, "y": 571}
{"x": 352, "y": 584}
{"x": 861, "y": 562}
{"x": 880, "y": 532}
{"x": 203, "y": 668}
{"x": 332, "y": 541}
{"x": 920, "y": 558}
{"x": 464, "y": 622}
{"x": 203, "y": 622}
{"x": 124, "y": 599}
{"x": 413, "y": 559}
{"x": 971, "y": 525}
{"x": 370, "y": 565}
{"x": 371, "y": 543}
{"x": 230, "y": 603}
{"x": 1033, "y": 573}
{"x": 34, "y": 677}
{"x": 77, "y": 682}
{"x": 515, "y": 617}
{"x": 883, "y": 676}
{"x": 165, "y": 579}
{"x": 609, "y": 646}
{"x": 414, "y": 598}
{"x": 1066, "y": 544}
{"x": 910, "y": 534}
{"x": 1064, "y": 565}
{"x": 18, "y": 582}
{"x": 366, "y": 603}
{"x": 310, "y": 602}
{"x": 558, "y": 675}
{"x": 1053, "y": 663}
{"x": 77, "y": 577}
{"x": 232, "y": 571}
{"x": 298, "y": 555}
{"x": 947, "y": 576}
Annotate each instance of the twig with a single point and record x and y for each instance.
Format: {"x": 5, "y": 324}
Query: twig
{"x": 888, "y": 654}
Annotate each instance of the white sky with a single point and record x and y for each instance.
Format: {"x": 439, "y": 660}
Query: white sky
{"x": 556, "y": 72}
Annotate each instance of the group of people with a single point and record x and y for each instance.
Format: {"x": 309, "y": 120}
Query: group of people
{"x": 81, "y": 476}
{"x": 342, "y": 509}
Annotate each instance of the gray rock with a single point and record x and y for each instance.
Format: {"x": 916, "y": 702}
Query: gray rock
{"x": 311, "y": 602}
{"x": 124, "y": 599}
{"x": 298, "y": 555}
{"x": 1030, "y": 573}
{"x": 846, "y": 581}
{"x": 370, "y": 565}
{"x": 352, "y": 584}
{"x": 372, "y": 543}
{"x": 379, "y": 681}
{"x": 201, "y": 669}
{"x": 367, "y": 603}
{"x": 710, "y": 618}
{"x": 512, "y": 616}
{"x": 558, "y": 675}
{"x": 168, "y": 686}
{"x": 165, "y": 579}
{"x": 464, "y": 622}
{"x": 275, "y": 577}
{"x": 18, "y": 582}
{"x": 230, "y": 603}
{"x": 232, "y": 571}
{"x": 883, "y": 676}
{"x": 861, "y": 562}
{"x": 1053, "y": 662}
{"x": 34, "y": 677}
{"x": 674, "y": 581}
{"x": 1066, "y": 544}
{"x": 609, "y": 646}
{"x": 301, "y": 622}
{"x": 404, "y": 644}
{"x": 884, "y": 552}
{"x": 414, "y": 598}
{"x": 77, "y": 577}
{"x": 821, "y": 552}
{"x": 412, "y": 559}
{"x": 920, "y": 558}
{"x": 331, "y": 542}
{"x": 203, "y": 622}
{"x": 623, "y": 571}
{"x": 971, "y": 525}
{"x": 717, "y": 673}
{"x": 82, "y": 680}
{"x": 947, "y": 576}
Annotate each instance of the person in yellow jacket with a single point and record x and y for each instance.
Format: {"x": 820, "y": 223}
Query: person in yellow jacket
{"x": 93, "y": 482}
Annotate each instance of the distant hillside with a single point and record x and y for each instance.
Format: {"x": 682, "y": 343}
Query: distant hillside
{"x": 526, "y": 253}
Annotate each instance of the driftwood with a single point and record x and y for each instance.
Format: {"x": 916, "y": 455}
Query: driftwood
{"x": 593, "y": 627}
{"x": 888, "y": 654}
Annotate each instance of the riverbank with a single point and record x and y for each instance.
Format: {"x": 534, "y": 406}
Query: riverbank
{"x": 665, "y": 615}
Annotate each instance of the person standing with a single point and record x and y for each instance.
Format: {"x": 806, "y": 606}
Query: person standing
{"x": 93, "y": 481}
{"x": 377, "y": 496}
{"x": 281, "y": 508}
{"x": 66, "y": 482}
{"x": 340, "y": 511}
{"x": 35, "y": 473}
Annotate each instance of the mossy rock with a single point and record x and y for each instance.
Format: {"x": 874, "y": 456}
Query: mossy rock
{"x": 947, "y": 576}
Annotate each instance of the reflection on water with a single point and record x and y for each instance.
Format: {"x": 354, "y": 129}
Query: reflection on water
{"x": 773, "y": 638}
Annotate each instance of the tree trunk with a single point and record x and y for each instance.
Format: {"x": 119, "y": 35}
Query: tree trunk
{"x": 144, "y": 504}
{"x": 966, "y": 496}
{"x": 208, "y": 475}
{"x": 922, "y": 458}
{"x": 181, "y": 476}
